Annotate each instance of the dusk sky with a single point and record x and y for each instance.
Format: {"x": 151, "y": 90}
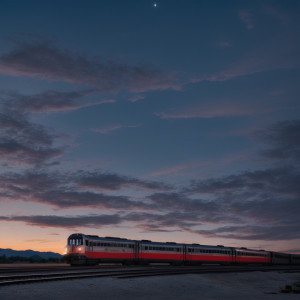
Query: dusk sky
{"x": 175, "y": 120}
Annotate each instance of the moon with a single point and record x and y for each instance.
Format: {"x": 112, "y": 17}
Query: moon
{"x": 154, "y": 5}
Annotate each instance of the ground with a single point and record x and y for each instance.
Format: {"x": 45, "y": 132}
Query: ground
{"x": 233, "y": 286}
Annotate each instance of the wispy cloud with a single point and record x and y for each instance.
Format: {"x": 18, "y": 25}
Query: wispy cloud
{"x": 136, "y": 98}
{"x": 51, "y": 101}
{"x": 72, "y": 190}
{"x": 65, "y": 222}
{"x": 46, "y": 61}
{"x": 224, "y": 44}
{"x": 24, "y": 142}
{"x": 284, "y": 137}
{"x": 111, "y": 181}
{"x": 205, "y": 111}
{"x": 113, "y": 128}
{"x": 247, "y": 17}
{"x": 107, "y": 129}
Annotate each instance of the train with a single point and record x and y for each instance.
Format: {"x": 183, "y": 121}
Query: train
{"x": 85, "y": 249}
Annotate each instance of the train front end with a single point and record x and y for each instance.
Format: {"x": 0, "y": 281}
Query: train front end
{"x": 76, "y": 250}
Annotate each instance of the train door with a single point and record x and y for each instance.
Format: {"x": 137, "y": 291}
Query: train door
{"x": 141, "y": 252}
{"x": 90, "y": 247}
{"x": 184, "y": 253}
{"x": 233, "y": 251}
{"x": 136, "y": 251}
{"x": 87, "y": 246}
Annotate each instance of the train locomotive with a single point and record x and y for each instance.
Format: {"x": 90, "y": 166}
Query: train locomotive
{"x": 91, "y": 250}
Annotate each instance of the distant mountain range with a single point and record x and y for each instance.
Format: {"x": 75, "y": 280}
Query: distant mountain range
{"x": 29, "y": 253}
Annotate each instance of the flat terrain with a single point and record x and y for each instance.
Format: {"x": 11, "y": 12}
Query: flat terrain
{"x": 233, "y": 286}
{"x": 31, "y": 265}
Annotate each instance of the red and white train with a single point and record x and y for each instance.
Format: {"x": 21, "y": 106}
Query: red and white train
{"x": 90, "y": 250}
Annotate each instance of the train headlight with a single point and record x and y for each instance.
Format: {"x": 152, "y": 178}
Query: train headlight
{"x": 79, "y": 248}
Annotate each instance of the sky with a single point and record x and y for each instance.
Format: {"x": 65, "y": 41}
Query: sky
{"x": 169, "y": 121}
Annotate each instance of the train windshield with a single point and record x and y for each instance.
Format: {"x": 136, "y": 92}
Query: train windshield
{"x": 75, "y": 239}
{"x": 75, "y": 242}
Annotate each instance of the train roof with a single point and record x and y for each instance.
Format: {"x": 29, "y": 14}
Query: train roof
{"x": 169, "y": 244}
{"x": 251, "y": 250}
{"x": 207, "y": 246}
{"x": 109, "y": 238}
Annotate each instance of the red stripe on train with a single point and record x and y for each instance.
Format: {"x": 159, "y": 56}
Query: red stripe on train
{"x": 209, "y": 258}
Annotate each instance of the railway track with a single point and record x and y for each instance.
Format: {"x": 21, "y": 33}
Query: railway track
{"x": 128, "y": 272}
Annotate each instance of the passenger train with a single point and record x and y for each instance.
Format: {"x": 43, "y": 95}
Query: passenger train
{"x": 91, "y": 250}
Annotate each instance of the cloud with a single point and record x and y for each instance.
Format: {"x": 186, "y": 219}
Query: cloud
{"x": 72, "y": 190}
{"x": 280, "y": 51}
{"x": 107, "y": 129}
{"x": 65, "y": 222}
{"x": 72, "y": 199}
{"x": 277, "y": 181}
{"x": 136, "y": 98}
{"x": 45, "y": 61}
{"x": 53, "y": 101}
{"x": 113, "y": 128}
{"x": 267, "y": 201}
{"x": 285, "y": 16}
{"x": 206, "y": 111}
{"x": 246, "y": 17}
{"x": 152, "y": 221}
{"x": 224, "y": 44}
{"x": 252, "y": 232}
{"x": 111, "y": 181}
{"x": 285, "y": 139}
{"x": 24, "y": 142}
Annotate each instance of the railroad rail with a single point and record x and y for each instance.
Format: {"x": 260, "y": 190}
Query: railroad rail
{"x": 128, "y": 272}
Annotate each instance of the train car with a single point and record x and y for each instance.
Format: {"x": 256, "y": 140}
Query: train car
{"x": 198, "y": 254}
{"x": 278, "y": 258}
{"x": 249, "y": 256}
{"x": 160, "y": 252}
{"x": 90, "y": 250}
